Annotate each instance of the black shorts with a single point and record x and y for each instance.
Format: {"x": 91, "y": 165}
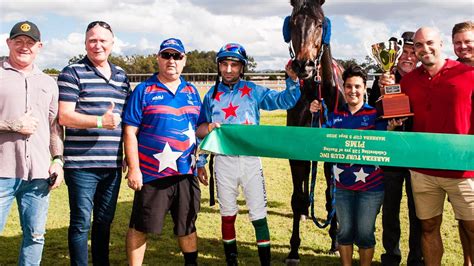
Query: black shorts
{"x": 180, "y": 195}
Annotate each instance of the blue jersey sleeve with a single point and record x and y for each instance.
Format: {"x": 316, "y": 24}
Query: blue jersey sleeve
{"x": 134, "y": 110}
{"x": 285, "y": 99}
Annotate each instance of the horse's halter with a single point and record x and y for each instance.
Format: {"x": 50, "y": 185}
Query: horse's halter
{"x": 317, "y": 60}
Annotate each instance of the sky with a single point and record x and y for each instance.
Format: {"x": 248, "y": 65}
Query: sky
{"x": 206, "y": 25}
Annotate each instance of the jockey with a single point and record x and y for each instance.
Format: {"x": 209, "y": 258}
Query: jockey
{"x": 237, "y": 101}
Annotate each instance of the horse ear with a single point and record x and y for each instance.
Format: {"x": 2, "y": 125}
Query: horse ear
{"x": 287, "y": 29}
{"x": 321, "y": 2}
{"x": 292, "y": 3}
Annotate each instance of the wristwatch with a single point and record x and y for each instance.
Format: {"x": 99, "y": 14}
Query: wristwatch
{"x": 59, "y": 157}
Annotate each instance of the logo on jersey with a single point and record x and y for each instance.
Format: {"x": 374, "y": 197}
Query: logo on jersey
{"x": 157, "y": 98}
{"x": 190, "y": 99}
{"x": 365, "y": 121}
{"x": 337, "y": 120}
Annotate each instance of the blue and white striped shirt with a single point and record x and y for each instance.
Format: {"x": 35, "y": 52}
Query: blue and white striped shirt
{"x": 83, "y": 84}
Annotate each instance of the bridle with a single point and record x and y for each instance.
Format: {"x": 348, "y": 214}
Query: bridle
{"x": 317, "y": 60}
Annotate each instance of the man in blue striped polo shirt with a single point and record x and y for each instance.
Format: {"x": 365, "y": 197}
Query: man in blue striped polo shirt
{"x": 92, "y": 94}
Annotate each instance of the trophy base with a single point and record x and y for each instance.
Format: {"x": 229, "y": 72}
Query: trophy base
{"x": 393, "y": 105}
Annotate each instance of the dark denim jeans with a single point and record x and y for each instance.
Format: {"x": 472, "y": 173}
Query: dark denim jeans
{"x": 391, "y": 220}
{"x": 91, "y": 190}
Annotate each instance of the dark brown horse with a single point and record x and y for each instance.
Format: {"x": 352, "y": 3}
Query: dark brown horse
{"x": 313, "y": 62}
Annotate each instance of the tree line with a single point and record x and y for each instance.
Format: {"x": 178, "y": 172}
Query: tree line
{"x": 196, "y": 62}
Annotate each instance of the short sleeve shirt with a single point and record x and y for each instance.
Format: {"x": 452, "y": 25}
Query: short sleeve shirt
{"x": 84, "y": 85}
{"x": 357, "y": 177}
{"x": 166, "y": 125}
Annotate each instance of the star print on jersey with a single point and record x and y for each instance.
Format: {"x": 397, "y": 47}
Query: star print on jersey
{"x": 191, "y": 134}
{"x": 167, "y": 158}
{"x": 337, "y": 172}
{"x": 245, "y": 90}
{"x": 230, "y": 110}
{"x": 218, "y": 95}
{"x": 360, "y": 176}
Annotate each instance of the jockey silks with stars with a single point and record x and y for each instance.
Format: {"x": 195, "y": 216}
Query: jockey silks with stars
{"x": 234, "y": 100}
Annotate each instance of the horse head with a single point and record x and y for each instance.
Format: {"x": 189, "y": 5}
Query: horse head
{"x": 306, "y": 23}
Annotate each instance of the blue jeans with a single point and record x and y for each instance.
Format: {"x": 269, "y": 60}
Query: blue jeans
{"x": 33, "y": 199}
{"x": 91, "y": 190}
{"x": 356, "y": 214}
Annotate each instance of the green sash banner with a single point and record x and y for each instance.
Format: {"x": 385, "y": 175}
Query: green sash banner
{"x": 408, "y": 149}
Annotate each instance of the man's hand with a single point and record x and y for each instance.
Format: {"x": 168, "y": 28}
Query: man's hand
{"x": 57, "y": 168}
{"x": 27, "y": 123}
{"x": 395, "y": 122}
{"x": 202, "y": 176}
{"x": 211, "y": 126}
{"x": 386, "y": 79}
{"x": 292, "y": 74}
{"x": 135, "y": 179}
{"x": 111, "y": 120}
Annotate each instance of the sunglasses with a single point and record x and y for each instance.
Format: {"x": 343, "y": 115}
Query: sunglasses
{"x": 102, "y": 24}
{"x": 168, "y": 56}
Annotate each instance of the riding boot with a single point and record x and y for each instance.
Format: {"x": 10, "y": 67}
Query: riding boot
{"x": 230, "y": 250}
{"x": 265, "y": 255}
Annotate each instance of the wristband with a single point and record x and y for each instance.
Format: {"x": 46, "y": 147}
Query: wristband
{"x": 209, "y": 127}
{"x": 99, "y": 122}
{"x": 58, "y": 161}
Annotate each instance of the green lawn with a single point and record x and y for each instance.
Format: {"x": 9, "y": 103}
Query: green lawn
{"x": 162, "y": 250}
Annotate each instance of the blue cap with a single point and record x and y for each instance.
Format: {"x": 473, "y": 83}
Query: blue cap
{"x": 172, "y": 43}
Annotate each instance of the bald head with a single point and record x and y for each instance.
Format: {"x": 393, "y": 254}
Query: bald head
{"x": 427, "y": 32}
{"x": 428, "y": 44}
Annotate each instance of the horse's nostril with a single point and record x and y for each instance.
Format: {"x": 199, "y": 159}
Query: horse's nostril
{"x": 296, "y": 65}
{"x": 310, "y": 63}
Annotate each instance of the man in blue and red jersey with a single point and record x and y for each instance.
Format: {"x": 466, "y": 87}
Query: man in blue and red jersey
{"x": 160, "y": 145}
{"x": 441, "y": 97}
{"x": 92, "y": 94}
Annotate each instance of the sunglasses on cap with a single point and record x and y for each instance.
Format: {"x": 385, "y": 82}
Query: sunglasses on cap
{"x": 102, "y": 24}
{"x": 168, "y": 56}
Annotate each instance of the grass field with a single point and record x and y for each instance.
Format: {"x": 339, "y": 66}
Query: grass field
{"x": 163, "y": 250}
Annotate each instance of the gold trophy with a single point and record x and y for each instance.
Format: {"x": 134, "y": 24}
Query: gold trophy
{"x": 392, "y": 103}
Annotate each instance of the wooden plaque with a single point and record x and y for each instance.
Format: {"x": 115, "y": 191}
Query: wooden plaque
{"x": 393, "y": 105}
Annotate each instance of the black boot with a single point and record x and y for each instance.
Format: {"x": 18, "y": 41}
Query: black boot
{"x": 264, "y": 255}
{"x": 230, "y": 250}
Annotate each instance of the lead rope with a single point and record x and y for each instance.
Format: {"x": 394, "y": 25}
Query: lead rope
{"x": 314, "y": 164}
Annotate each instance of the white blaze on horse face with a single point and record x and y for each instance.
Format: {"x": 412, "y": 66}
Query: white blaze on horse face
{"x": 310, "y": 41}
{"x": 354, "y": 91}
